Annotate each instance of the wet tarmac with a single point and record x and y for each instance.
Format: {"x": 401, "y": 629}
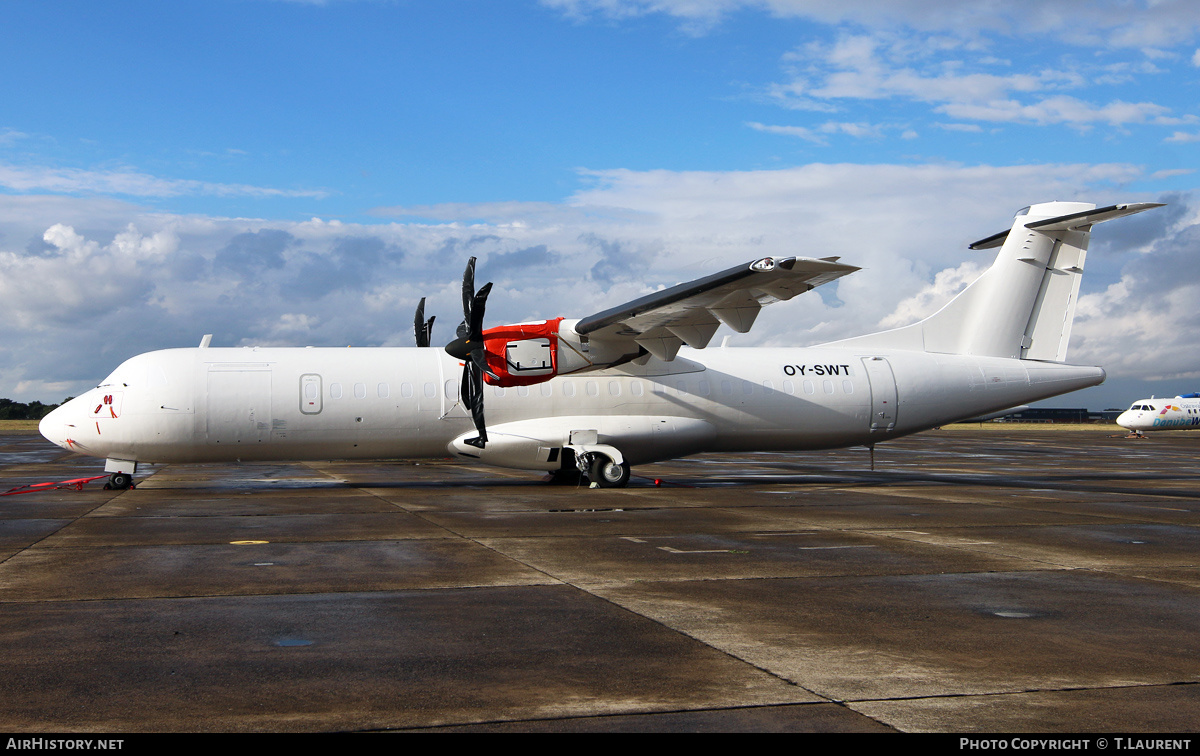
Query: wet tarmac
{"x": 976, "y": 581}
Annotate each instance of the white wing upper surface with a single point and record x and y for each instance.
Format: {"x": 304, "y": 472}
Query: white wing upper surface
{"x": 689, "y": 313}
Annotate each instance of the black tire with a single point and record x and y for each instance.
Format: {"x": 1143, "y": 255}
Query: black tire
{"x": 121, "y": 481}
{"x": 607, "y": 474}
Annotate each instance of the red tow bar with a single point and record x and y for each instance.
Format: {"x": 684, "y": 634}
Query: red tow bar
{"x": 76, "y": 483}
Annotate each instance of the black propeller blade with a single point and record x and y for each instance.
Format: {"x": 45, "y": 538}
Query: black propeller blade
{"x": 422, "y": 327}
{"x": 468, "y": 347}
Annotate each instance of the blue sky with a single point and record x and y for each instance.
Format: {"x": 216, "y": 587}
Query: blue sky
{"x": 282, "y": 172}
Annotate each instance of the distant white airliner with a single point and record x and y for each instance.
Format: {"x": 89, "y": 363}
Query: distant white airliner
{"x": 596, "y": 395}
{"x": 1179, "y": 413}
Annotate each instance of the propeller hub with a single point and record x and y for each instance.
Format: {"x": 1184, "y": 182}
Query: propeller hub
{"x": 459, "y": 349}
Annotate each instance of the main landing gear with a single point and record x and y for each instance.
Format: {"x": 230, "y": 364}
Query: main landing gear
{"x": 596, "y": 467}
{"x": 607, "y": 474}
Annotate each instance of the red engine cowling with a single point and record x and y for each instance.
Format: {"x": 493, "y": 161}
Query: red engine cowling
{"x": 522, "y": 354}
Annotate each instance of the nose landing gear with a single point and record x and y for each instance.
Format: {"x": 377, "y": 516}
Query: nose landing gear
{"x": 120, "y": 472}
{"x": 119, "y": 481}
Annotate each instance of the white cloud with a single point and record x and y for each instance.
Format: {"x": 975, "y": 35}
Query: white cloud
{"x": 1061, "y": 109}
{"x": 970, "y": 128}
{"x": 1134, "y": 24}
{"x": 946, "y": 285}
{"x": 793, "y": 131}
{"x": 819, "y": 134}
{"x": 85, "y": 284}
{"x": 11, "y": 136}
{"x": 128, "y": 183}
{"x": 884, "y": 66}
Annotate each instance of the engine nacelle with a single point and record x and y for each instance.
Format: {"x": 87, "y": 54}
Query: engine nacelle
{"x": 528, "y": 353}
{"x": 522, "y": 354}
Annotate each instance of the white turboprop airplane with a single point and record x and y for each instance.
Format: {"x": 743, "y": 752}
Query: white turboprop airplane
{"x": 1152, "y": 414}
{"x": 596, "y": 395}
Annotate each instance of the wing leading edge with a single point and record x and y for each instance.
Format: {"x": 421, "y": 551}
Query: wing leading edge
{"x": 690, "y": 313}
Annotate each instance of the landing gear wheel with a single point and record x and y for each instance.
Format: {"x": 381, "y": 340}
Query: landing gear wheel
{"x": 608, "y": 474}
{"x": 120, "y": 481}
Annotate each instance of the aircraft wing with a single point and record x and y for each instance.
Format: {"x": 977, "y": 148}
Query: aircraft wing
{"x": 690, "y": 313}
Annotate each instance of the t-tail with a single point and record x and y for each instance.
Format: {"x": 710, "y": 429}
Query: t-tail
{"x": 1024, "y": 305}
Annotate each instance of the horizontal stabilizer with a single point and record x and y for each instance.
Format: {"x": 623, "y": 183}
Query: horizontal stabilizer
{"x": 1071, "y": 222}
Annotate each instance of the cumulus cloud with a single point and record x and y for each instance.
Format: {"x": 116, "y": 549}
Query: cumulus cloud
{"x": 86, "y": 284}
{"x": 1144, "y": 323}
{"x": 946, "y": 285}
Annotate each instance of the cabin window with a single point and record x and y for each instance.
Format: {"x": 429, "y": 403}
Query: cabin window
{"x": 809, "y": 388}
{"x": 452, "y": 388}
{"x": 310, "y": 391}
{"x": 335, "y": 391}
{"x": 593, "y": 388}
{"x": 789, "y": 387}
{"x": 430, "y": 390}
{"x": 747, "y": 388}
{"x": 848, "y": 387}
{"x": 406, "y": 390}
{"x": 522, "y": 391}
{"x": 828, "y": 386}
{"x": 569, "y": 388}
{"x": 547, "y": 389}
{"x": 702, "y": 389}
{"x": 360, "y": 391}
{"x": 382, "y": 390}
{"x": 636, "y": 388}
{"x": 498, "y": 390}
{"x": 681, "y": 388}
{"x": 768, "y": 388}
{"x": 614, "y": 388}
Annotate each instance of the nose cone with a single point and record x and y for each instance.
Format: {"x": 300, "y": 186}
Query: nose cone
{"x": 54, "y": 427}
{"x": 1136, "y": 420}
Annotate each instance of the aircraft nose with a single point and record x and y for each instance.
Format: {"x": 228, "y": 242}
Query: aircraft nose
{"x": 53, "y": 427}
{"x": 1126, "y": 420}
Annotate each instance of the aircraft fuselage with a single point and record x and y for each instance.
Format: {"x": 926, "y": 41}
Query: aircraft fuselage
{"x": 1164, "y": 413}
{"x": 211, "y": 404}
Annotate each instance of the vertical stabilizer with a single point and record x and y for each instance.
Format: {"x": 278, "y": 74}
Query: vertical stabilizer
{"x": 1024, "y": 305}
